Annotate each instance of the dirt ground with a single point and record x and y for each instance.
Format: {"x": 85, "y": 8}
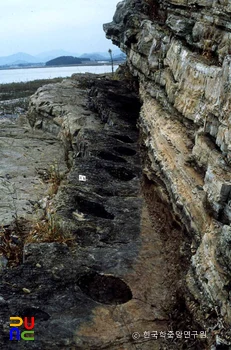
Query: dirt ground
{"x": 169, "y": 249}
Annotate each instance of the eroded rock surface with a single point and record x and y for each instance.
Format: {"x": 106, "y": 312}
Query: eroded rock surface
{"x": 25, "y": 156}
{"x": 180, "y": 53}
{"x": 123, "y": 275}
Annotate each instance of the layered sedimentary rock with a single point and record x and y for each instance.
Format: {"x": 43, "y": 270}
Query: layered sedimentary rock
{"x": 180, "y": 53}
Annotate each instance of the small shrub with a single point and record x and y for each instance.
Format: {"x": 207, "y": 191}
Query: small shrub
{"x": 54, "y": 178}
{"x": 12, "y": 240}
{"x": 49, "y": 231}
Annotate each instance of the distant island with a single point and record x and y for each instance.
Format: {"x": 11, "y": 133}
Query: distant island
{"x": 58, "y": 58}
{"x": 66, "y": 60}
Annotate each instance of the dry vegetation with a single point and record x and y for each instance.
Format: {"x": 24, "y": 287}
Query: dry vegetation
{"x": 49, "y": 231}
{"x": 26, "y": 89}
{"x": 54, "y": 178}
{"x": 13, "y": 239}
{"x": 40, "y": 230}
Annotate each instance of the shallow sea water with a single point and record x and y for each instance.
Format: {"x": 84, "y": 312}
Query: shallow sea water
{"x": 29, "y": 74}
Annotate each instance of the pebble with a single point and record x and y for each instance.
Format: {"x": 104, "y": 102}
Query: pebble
{"x": 27, "y": 291}
{"x": 3, "y": 262}
{"x": 2, "y": 301}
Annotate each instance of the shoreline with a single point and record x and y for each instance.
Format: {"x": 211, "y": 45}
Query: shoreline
{"x": 25, "y": 75}
{"x": 65, "y": 66}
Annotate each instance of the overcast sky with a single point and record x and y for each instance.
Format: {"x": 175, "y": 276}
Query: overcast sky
{"x": 34, "y": 26}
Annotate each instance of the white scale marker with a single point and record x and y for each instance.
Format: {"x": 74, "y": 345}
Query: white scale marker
{"x": 82, "y": 178}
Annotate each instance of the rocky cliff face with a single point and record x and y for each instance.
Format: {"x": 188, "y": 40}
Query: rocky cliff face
{"x": 179, "y": 51}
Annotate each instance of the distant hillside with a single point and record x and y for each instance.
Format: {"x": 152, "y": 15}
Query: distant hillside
{"x": 117, "y": 55}
{"x": 94, "y": 56}
{"x": 17, "y": 57}
{"x": 66, "y": 60}
{"x": 50, "y": 55}
{"x": 120, "y": 57}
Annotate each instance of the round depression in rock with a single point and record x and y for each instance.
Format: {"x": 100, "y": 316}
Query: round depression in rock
{"x": 37, "y": 313}
{"x": 105, "y": 289}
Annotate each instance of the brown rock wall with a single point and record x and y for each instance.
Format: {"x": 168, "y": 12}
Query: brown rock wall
{"x": 180, "y": 53}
